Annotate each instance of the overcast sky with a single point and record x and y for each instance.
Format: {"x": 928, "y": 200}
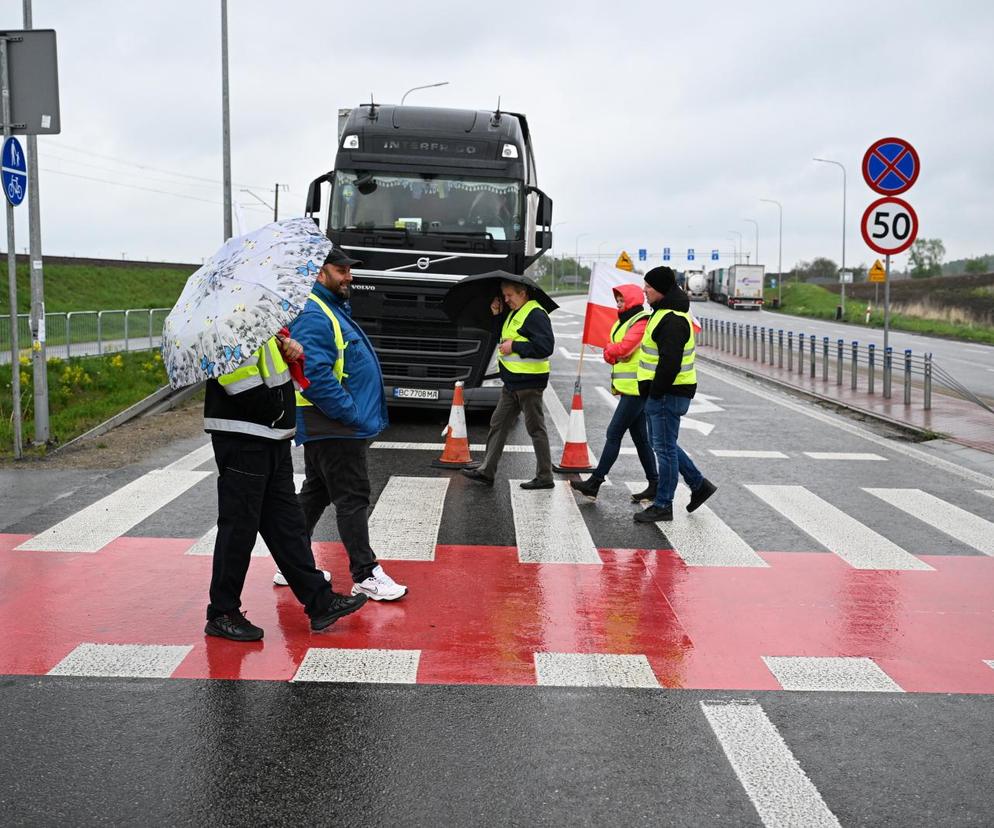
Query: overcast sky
{"x": 653, "y": 126}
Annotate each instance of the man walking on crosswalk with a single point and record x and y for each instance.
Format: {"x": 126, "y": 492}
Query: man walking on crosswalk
{"x": 667, "y": 377}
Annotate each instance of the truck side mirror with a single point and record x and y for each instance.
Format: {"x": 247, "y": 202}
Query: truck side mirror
{"x": 543, "y": 215}
{"x": 313, "y": 204}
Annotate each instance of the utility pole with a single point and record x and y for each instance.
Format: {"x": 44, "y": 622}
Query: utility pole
{"x": 225, "y": 121}
{"x": 15, "y": 368}
{"x": 779, "y": 251}
{"x": 38, "y": 356}
{"x": 843, "y": 284}
{"x": 753, "y": 221}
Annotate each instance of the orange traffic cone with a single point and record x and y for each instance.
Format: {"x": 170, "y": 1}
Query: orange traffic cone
{"x": 576, "y": 456}
{"x": 455, "y": 454}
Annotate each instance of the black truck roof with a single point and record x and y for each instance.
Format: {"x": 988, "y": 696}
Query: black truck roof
{"x": 451, "y": 140}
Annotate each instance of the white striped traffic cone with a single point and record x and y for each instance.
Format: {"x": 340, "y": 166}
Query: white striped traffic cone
{"x": 455, "y": 454}
{"x": 576, "y": 456}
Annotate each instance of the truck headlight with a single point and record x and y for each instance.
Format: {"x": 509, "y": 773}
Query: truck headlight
{"x": 351, "y": 142}
{"x": 509, "y": 151}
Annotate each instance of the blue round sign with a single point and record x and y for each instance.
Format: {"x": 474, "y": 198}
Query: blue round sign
{"x": 891, "y": 166}
{"x": 14, "y": 171}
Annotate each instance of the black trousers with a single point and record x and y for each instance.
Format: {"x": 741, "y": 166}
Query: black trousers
{"x": 255, "y": 494}
{"x": 335, "y": 472}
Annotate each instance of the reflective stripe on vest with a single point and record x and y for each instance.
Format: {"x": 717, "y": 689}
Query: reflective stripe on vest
{"x": 624, "y": 377}
{"x": 512, "y": 330}
{"x": 338, "y": 369}
{"x": 649, "y": 353}
{"x": 266, "y": 367}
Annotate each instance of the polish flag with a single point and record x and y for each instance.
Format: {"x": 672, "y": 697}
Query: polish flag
{"x": 602, "y": 310}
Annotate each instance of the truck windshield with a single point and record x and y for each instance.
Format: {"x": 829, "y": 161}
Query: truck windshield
{"x": 428, "y": 204}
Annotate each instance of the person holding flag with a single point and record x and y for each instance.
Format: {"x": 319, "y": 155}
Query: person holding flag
{"x": 621, "y": 350}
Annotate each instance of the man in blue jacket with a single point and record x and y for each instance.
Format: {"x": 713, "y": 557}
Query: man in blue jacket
{"x": 340, "y": 411}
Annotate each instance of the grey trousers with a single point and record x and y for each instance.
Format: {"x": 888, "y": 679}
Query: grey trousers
{"x": 512, "y": 403}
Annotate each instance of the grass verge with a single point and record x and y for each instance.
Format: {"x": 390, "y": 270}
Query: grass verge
{"x": 83, "y": 392}
{"x": 815, "y": 302}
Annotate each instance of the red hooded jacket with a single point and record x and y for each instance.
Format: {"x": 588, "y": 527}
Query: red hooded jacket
{"x": 634, "y": 299}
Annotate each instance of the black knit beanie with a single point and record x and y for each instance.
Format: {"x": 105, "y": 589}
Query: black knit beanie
{"x": 661, "y": 278}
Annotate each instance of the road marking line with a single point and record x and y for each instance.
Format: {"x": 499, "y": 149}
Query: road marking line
{"x": 843, "y": 455}
{"x": 593, "y": 670}
{"x": 204, "y": 545}
{"x": 568, "y": 354}
{"x": 858, "y": 545}
{"x": 989, "y": 663}
{"x": 122, "y": 660}
{"x": 701, "y": 538}
{"x": 92, "y": 528}
{"x": 773, "y": 779}
{"x": 749, "y": 453}
{"x": 699, "y": 405}
{"x": 958, "y": 523}
{"x": 366, "y": 666}
{"x": 549, "y": 526}
{"x": 685, "y": 422}
{"x": 859, "y": 674}
{"x": 783, "y": 401}
{"x": 607, "y": 396}
{"x": 406, "y": 519}
{"x": 191, "y": 461}
{"x": 386, "y": 444}
{"x": 988, "y": 493}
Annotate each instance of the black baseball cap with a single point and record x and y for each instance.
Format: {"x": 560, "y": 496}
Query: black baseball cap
{"x": 338, "y": 257}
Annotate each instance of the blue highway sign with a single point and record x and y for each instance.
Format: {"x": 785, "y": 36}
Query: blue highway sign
{"x": 714, "y": 255}
{"x": 14, "y": 171}
{"x": 690, "y": 254}
{"x": 642, "y": 254}
{"x": 666, "y": 254}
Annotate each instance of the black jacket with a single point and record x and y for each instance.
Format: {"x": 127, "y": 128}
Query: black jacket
{"x": 271, "y": 408}
{"x": 540, "y": 345}
{"x": 671, "y": 337}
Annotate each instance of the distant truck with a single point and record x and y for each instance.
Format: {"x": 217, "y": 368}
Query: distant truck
{"x": 696, "y": 285}
{"x": 738, "y": 286}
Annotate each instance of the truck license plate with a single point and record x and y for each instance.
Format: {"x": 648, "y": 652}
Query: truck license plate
{"x": 416, "y": 393}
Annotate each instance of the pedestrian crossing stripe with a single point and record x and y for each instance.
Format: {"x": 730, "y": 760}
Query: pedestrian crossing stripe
{"x": 958, "y": 523}
{"x": 549, "y": 527}
{"x": 407, "y": 517}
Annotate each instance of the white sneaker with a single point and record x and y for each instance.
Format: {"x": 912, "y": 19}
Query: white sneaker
{"x": 380, "y": 587}
{"x": 279, "y": 579}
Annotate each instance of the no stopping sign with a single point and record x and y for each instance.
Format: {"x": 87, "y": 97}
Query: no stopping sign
{"x": 889, "y": 225}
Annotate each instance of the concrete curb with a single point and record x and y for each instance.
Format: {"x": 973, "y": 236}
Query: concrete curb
{"x": 922, "y": 433}
{"x": 155, "y": 403}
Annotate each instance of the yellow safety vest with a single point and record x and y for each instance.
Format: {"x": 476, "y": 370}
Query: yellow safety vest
{"x": 266, "y": 367}
{"x": 649, "y": 353}
{"x": 338, "y": 369}
{"x": 624, "y": 378}
{"x": 511, "y": 330}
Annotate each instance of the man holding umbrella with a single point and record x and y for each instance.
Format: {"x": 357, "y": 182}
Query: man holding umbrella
{"x": 523, "y": 355}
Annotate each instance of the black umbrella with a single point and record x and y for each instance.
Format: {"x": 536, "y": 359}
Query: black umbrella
{"x": 468, "y": 301}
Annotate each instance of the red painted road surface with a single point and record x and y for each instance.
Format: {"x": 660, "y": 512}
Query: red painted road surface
{"x": 478, "y": 615}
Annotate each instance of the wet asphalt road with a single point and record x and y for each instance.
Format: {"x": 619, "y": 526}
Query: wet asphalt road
{"x": 86, "y": 750}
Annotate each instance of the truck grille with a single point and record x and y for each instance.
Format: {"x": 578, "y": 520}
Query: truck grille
{"x": 396, "y": 372}
{"x": 422, "y": 346}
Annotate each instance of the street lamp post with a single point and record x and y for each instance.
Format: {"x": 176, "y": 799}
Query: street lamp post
{"x": 225, "y": 123}
{"x": 576, "y": 255}
{"x": 841, "y": 167}
{"x": 779, "y": 250}
{"x": 554, "y": 226}
{"x": 599, "y": 246}
{"x": 738, "y": 250}
{"x": 416, "y": 88}
{"x": 753, "y": 221}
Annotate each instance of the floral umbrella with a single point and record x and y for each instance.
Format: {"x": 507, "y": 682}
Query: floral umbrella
{"x": 248, "y": 290}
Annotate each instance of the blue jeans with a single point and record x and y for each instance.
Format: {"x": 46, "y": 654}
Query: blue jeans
{"x": 663, "y": 417}
{"x": 628, "y": 416}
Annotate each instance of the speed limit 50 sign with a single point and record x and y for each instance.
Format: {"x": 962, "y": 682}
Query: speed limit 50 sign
{"x": 889, "y": 225}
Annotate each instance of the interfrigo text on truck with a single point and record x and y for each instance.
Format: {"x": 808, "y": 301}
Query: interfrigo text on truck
{"x": 425, "y": 197}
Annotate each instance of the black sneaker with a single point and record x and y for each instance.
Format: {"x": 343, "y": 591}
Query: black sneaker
{"x": 703, "y": 492}
{"x": 588, "y": 488}
{"x": 535, "y": 483}
{"x": 340, "y": 605}
{"x": 654, "y": 514}
{"x": 648, "y": 494}
{"x": 234, "y": 626}
{"x": 478, "y": 476}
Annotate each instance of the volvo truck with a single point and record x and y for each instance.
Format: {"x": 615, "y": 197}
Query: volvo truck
{"x": 425, "y": 197}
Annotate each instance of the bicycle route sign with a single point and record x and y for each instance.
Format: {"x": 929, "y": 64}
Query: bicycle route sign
{"x": 889, "y": 225}
{"x": 891, "y": 166}
{"x": 14, "y": 171}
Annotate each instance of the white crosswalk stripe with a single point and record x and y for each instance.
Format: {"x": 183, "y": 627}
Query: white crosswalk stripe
{"x": 989, "y": 493}
{"x": 701, "y": 538}
{"x": 749, "y": 453}
{"x": 406, "y": 519}
{"x": 92, "y": 528}
{"x": 479, "y": 447}
{"x": 843, "y": 455}
{"x": 549, "y": 526}
{"x": 686, "y": 423}
{"x": 855, "y": 543}
{"x": 369, "y": 666}
{"x": 122, "y": 660}
{"x": 204, "y": 545}
{"x": 831, "y": 673}
{"x": 958, "y": 523}
{"x": 193, "y": 460}
{"x": 593, "y": 670}
{"x": 778, "y": 787}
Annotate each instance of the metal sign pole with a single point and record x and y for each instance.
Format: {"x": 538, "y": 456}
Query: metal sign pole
{"x": 39, "y": 357}
{"x": 886, "y": 301}
{"x": 15, "y": 367}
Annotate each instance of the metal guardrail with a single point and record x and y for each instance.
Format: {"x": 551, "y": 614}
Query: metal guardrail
{"x": 89, "y": 333}
{"x": 915, "y": 370}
